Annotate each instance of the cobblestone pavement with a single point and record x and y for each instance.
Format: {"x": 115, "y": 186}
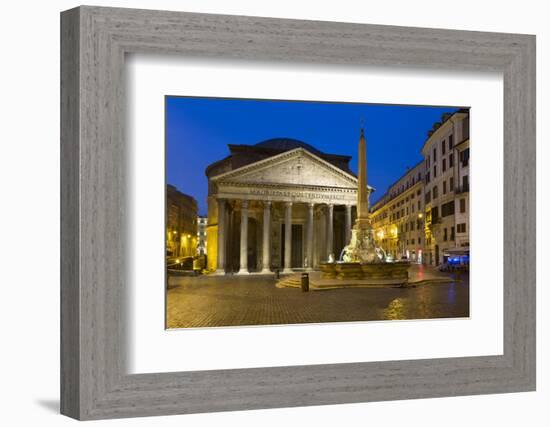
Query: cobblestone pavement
{"x": 208, "y": 301}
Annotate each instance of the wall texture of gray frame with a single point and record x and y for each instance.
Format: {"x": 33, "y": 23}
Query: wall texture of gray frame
{"x": 94, "y": 381}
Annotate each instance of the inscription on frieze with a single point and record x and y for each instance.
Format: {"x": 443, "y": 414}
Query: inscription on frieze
{"x": 293, "y": 194}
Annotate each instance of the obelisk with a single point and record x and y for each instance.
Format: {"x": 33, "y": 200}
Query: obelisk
{"x": 362, "y": 189}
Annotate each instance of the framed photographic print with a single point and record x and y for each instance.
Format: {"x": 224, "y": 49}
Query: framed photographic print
{"x": 262, "y": 213}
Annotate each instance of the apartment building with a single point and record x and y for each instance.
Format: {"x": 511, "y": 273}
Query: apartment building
{"x": 398, "y": 217}
{"x": 424, "y": 215}
{"x": 446, "y": 187}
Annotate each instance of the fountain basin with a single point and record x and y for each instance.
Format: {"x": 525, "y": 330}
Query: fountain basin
{"x": 391, "y": 273}
{"x": 328, "y": 270}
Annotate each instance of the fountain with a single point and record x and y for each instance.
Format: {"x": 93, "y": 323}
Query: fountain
{"x": 361, "y": 261}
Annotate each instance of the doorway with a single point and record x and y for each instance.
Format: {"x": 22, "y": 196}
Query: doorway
{"x": 297, "y": 241}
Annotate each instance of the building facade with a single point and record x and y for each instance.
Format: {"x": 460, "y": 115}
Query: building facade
{"x": 424, "y": 216}
{"x": 181, "y": 223}
{"x": 279, "y": 204}
{"x": 398, "y": 217}
{"x": 446, "y": 187}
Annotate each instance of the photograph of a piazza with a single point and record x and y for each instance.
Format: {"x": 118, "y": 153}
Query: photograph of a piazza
{"x": 296, "y": 212}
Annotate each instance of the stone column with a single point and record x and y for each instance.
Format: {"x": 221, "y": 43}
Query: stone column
{"x": 309, "y": 236}
{"x": 288, "y": 238}
{"x": 266, "y": 242}
{"x": 330, "y": 230}
{"x": 348, "y": 224}
{"x": 244, "y": 238}
{"x": 221, "y": 237}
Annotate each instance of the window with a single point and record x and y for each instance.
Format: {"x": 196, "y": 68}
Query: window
{"x": 443, "y": 147}
{"x": 445, "y": 234}
{"x": 444, "y": 187}
{"x": 450, "y": 142}
{"x": 466, "y": 127}
{"x": 427, "y": 197}
{"x": 465, "y": 183}
{"x": 451, "y": 160}
{"x": 434, "y": 194}
{"x": 435, "y": 171}
{"x": 435, "y": 155}
{"x": 444, "y": 165}
{"x": 451, "y": 183}
{"x": 462, "y": 205}
{"x": 448, "y": 208}
{"x": 464, "y": 157}
{"x": 419, "y": 205}
{"x": 452, "y": 233}
{"x": 412, "y": 225}
{"x": 461, "y": 228}
{"x": 412, "y": 242}
{"x": 435, "y": 215}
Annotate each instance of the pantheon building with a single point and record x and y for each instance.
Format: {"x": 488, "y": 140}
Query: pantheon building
{"x": 279, "y": 204}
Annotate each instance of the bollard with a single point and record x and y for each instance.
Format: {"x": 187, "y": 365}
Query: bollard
{"x": 305, "y": 282}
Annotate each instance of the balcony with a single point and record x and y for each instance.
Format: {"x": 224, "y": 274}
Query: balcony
{"x": 435, "y": 221}
{"x": 463, "y": 189}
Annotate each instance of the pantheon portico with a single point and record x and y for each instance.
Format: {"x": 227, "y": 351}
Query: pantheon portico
{"x": 279, "y": 204}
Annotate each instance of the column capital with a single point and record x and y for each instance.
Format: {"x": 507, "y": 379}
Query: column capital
{"x": 310, "y": 205}
{"x": 244, "y": 204}
{"x": 267, "y": 203}
{"x": 288, "y": 204}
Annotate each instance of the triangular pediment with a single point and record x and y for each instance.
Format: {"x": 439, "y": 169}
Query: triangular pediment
{"x": 296, "y": 167}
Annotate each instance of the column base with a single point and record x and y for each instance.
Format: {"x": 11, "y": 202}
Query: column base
{"x": 242, "y": 272}
{"x": 266, "y": 271}
{"x": 219, "y": 272}
{"x": 287, "y": 271}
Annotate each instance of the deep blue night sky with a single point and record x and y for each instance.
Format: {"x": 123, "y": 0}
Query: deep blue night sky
{"x": 199, "y": 129}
